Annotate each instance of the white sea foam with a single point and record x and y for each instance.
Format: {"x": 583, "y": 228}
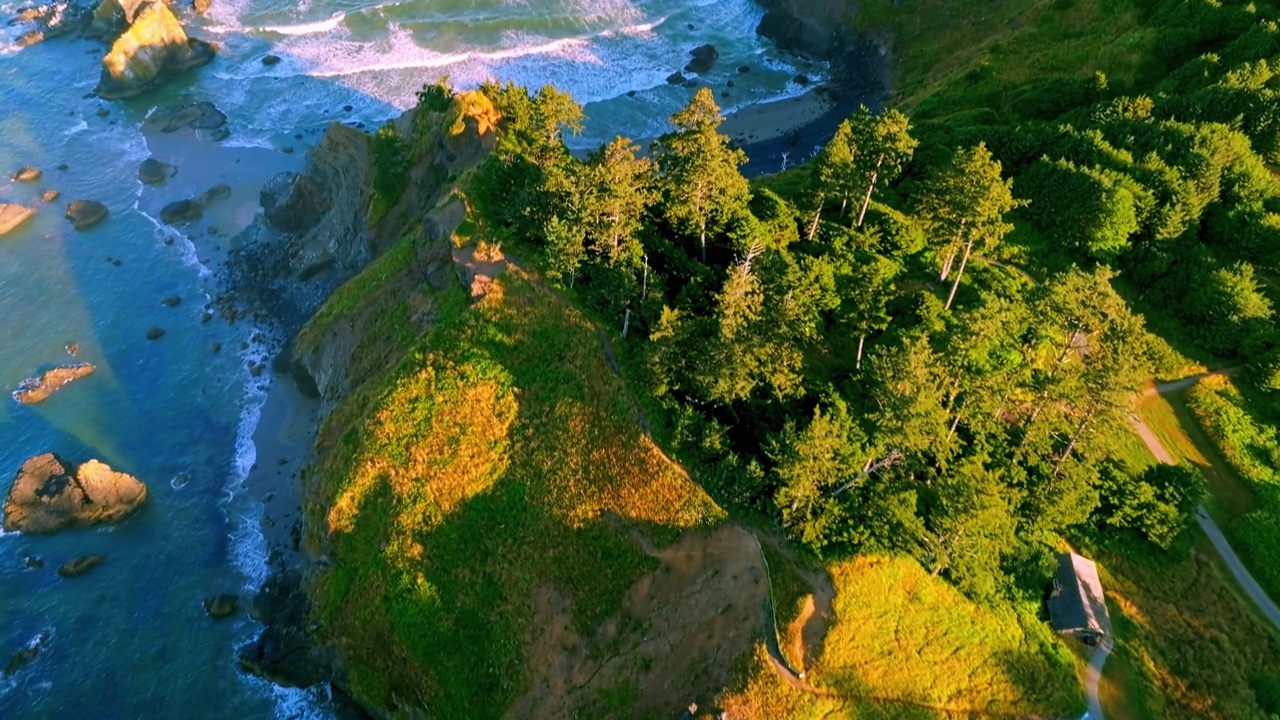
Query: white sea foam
{"x": 311, "y": 28}
{"x": 181, "y": 241}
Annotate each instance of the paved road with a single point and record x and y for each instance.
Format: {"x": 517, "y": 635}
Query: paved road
{"x": 1093, "y": 677}
{"x": 1237, "y": 568}
{"x": 1206, "y": 523}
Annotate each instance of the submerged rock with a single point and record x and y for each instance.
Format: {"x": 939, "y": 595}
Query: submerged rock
{"x": 155, "y": 333}
{"x": 11, "y": 216}
{"x": 49, "y": 195}
{"x": 270, "y": 60}
{"x": 151, "y": 50}
{"x": 46, "y": 497}
{"x": 38, "y": 389}
{"x": 84, "y": 214}
{"x": 704, "y": 57}
{"x": 81, "y": 565}
{"x": 293, "y": 203}
{"x": 221, "y": 606}
{"x": 197, "y": 116}
{"x": 26, "y": 655}
{"x": 153, "y": 171}
{"x": 27, "y": 174}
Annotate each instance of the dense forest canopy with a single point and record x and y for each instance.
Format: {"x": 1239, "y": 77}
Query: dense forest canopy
{"x": 927, "y": 338}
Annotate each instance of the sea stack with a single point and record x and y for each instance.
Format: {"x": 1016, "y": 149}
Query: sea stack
{"x": 153, "y": 48}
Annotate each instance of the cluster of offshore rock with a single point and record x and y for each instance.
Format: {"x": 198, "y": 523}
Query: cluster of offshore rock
{"x": 148, "y": 44}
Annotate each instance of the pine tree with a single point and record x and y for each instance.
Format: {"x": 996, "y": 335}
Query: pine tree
{"x": 615, "y": 189}
{"x": 885, "y": 145}
{"x": 963, "y": 205}
{"x": 700, "y": 177}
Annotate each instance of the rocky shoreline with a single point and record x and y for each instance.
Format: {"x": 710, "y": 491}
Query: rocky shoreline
{"x": 859, "y": 66}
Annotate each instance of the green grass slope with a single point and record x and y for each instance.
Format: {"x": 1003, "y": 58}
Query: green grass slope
{"x": 907, "y": 645}
{"x": 500, "y": 455}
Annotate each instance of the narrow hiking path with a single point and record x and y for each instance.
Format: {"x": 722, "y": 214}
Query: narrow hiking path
{"x": 1229, "y": 558}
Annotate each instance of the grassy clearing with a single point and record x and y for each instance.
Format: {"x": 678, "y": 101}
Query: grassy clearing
{"x": 974, "y": 56}
{"x": 499, "y": 455}
{"x": 1176, "y": 427}
{"x": 1187, "y": 645}
{"x": 1251, "y": 447}
{"x": 907, "y": 645}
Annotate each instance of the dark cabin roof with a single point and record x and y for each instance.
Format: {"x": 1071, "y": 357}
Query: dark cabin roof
{"x": 1076, "y": 603}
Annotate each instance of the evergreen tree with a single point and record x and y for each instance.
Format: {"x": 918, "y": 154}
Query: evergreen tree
{"x": 615, "y": 190}
{"x": 964, "y": 204}
{"x": 701, "y": 183}
{"x": 884, "y": 146}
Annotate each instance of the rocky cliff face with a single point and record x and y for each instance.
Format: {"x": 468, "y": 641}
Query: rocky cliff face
{"x": 154, "y": 48}
{"x": 816, "y": 29}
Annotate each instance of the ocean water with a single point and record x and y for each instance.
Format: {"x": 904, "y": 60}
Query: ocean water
{"x": 130, "y": 639}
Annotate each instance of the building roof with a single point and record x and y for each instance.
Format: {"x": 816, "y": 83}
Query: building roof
{"x": 1076, "y": 603}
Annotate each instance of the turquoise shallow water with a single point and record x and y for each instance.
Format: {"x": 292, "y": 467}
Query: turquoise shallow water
{"x": 130, "y": 639}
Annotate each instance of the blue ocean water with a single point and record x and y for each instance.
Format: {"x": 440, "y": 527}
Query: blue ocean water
{"x": 130, "y": 639}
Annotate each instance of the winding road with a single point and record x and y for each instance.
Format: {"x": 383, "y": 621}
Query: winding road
{"x": 1206, "y": 523}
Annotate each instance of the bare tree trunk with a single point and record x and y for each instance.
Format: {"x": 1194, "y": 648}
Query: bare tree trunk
{"x": 626, "y": 323}
{"x": 1071, "y": 445}
{"x": 866, "y": 201}
{"x": 946, "y": 266}
{"x": 959, "y": 274}
{"x": 954, "y": 423}
{"x": 703, "y": 241}
{"x": 844, "y": 204}
{"x": 813, "y": 226}
{"x": 861, "y": 340}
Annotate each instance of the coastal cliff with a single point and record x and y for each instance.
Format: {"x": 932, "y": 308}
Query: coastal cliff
{"x": 154, "y": 48}
{"x": 491, "y": 532}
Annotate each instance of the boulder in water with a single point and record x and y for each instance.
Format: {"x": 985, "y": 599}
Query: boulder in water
{"x": 27, "y": 174}
{"x": 81, "y": 565}
{"x": 197, "y": 116}
{"x": 152, "y": 49}
{"x": 201, "y": 7}
{"x": 50, "y": 21}
{"x": 184, "y": 211}
{"x": 11, "y": 216}
{"x": 181, "y": 211}
{"x": 293, "y": 203}
{"x": 46, "y": 497}
{"x": 270, "y": 60}
{"x": 221, "y": 606}
{"x": 38, "y": 389}
{"x": 49, "y": 195}
{"x": 704, "y": 56}
{"x": 26, "y": 655}
{"x": 800, "y": 79}
{"x": 675, "y": 78}
{"x": 155, "y": 333}
{"x": 153, "y": 171}
{"x": 84, "y": 214}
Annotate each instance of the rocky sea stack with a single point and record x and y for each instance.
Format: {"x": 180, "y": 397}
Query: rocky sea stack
{"x": 46, "y": 497}
{"x": 154, "y": 48}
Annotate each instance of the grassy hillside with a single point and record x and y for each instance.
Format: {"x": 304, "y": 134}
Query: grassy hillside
{"x": 950, "y": 57}
{"x": 907, "y": 645}
{"x": 1251, "y": 449}
{"x": 500, "y": 456}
